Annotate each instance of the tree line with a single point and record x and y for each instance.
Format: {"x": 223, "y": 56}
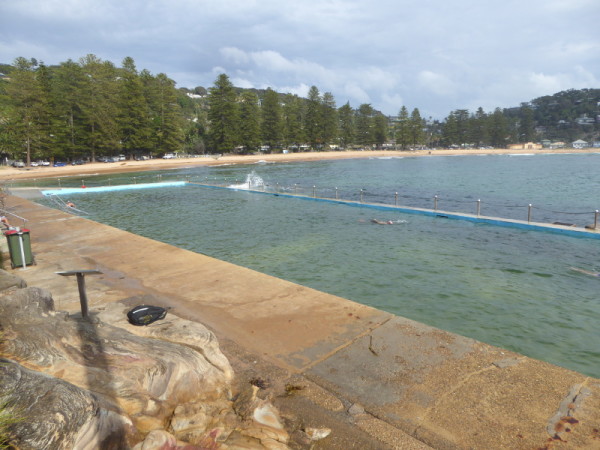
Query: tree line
{"x": 92, "y": 108}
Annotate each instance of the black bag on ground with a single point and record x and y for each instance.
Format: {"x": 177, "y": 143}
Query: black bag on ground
{"x": 146, "y": 314}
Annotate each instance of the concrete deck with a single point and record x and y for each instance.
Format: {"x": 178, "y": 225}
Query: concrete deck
{"x": 377, "y": 380}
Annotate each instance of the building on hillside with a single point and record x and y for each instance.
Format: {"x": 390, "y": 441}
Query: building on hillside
{"x": 579, "y": 144}
{"x": 525, "y": 146}
{"x": 596, "y": 144}
{"x": 558, "y": 144}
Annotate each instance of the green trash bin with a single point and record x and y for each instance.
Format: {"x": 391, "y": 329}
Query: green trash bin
{"x": 19, "y": 247}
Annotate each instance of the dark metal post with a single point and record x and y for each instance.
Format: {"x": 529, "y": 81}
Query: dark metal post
{"x": 529, "y": 213}
{"x": 82, "y": 295}
{"x": 396, "y": 199}
{"x": 596, "y": 220}
{"x": 478, "y": 207}
{"x": 435, "y": 200}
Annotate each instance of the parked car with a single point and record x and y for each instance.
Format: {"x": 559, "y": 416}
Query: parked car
{"x": 33, "y": 164}
{"x": 59, "y": 164}
{"x": 44, "y": 163}
{"x": 122, "y": 158}
{"x": 78, "y": 162}
{"x": 18, "y": 164}
{"x": 168, "y": 156}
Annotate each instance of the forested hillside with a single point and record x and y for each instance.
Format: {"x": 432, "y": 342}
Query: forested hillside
{"x": 91, "y": 108}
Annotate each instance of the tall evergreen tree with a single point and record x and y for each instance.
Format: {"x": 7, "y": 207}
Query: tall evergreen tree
{"x": 346, "y": 125}
{"x": 380, "y": 129}
{"x": 329, "y": 118}
{"x": 364, "y": 125}
{"x": 27, "y": 111}
{"x": 133, "y": 117}
{"x": 167, "y": 118}
{"x": 271, "y": 126}
{"x": 249, "y": 126}
{"x": 479, "y": 129}
{"x": 99, "y": 105}
{"x": 403, "y": 129}
{"x": 67, "y": 98}
{"x": 526, "y": 124}
{"x": 416, "y": 128}
{"x": 313, "y": 118}
{"x": 498, "y": 129}
{"x": 293, "y": 121}
{"x": 222, "y": 115}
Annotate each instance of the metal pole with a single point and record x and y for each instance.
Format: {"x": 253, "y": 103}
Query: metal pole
{"x": 478, "y": 207}
{"x": 336, "y": 193}
{"x": 396, "y": 199}
{"x": 314, "y": 191}
{"x": 82, "y": 295}
{"x": 295, "y": 188}
{"x": 529, "y": 213}
{"x": 596, "y": 220}
{"x": 22, "y": 248}
{"x": 249, "y": 184}
{"x": 435, "y": 200}
{"x": 361, "y": 195}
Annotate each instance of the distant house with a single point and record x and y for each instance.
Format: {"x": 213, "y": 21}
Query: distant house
{"x": 558, "y": 144}
{"x": 579, "y": 144}
{"x": 525, "y": 146}
{"x": 596, "y": 144}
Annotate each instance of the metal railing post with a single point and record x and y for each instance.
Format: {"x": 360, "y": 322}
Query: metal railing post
{"x": 435, "y": 201}
{"x": 596, "y": 220}
{"x": 314, "y": 191}
{"x": 295, "y": 188}
{"x": 336, "y": 193}
{"x": 478, "y": 207}
{"x": 529, "y": 213}
{"x": 396, "y": 199}
{"x": 361, "y": 195}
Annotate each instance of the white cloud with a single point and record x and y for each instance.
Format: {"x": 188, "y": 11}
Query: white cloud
{"x": 234, "y": 55}
{"x": 436, "y": 83}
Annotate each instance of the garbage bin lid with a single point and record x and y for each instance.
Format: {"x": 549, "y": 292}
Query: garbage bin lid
{"x": 23, "y": 230}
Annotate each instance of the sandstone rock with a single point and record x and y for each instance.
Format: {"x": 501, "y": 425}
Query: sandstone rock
{"x": 91, "y": 384}
{"x": 8, "y": 280}
{"x": 144, "y": 379}
{"x": 53, "y": 414}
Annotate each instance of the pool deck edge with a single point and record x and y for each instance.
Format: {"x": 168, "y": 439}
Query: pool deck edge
{"x": 423, "y": 386}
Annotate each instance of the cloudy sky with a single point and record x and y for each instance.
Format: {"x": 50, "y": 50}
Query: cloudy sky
{"x": 435, "y": 55}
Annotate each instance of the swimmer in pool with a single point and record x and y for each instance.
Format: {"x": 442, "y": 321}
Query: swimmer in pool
{"x": 70, "y": 204}
{"x": 382, "y": 222}
{"x": 587, "y": 272}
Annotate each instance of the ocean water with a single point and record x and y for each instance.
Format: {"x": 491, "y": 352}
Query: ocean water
{"x": 512, "y": 288}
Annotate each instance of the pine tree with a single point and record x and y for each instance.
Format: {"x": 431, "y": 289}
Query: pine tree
{"x": 222, "y": 116}
{"x": 271, "y": 125}
{"x": 365, "y": 125}
{"x": 26, "y": 116}
{"x": 313, "y": 118}
{"x": 346, "y": 125}
{"x": 403, "y": 129}
{"x": 249, "y": 126}
{"x": 69, "y": 129}
{"x": 329, "y": 118}
{"x": 416, "y": 128}
{"x": 99, "y": 105}
{"x": 293, "y": 133}
{"x": 133, "y": 116}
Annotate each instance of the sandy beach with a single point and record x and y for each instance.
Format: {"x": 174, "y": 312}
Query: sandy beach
{"x": 11, "y": 173}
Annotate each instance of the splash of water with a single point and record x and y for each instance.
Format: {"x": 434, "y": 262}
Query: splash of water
{"x": 253, "y": 181}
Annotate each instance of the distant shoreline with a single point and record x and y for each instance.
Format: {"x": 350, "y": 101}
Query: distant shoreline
{"x": 10, "y": 173}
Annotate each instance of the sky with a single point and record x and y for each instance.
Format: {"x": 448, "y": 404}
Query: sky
{"x": 434, "y": 55}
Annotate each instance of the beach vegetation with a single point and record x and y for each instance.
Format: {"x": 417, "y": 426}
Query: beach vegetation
{"x": 90, "y": 109}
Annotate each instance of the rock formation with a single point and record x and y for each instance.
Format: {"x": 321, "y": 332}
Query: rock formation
{"x": 103, "y": 383}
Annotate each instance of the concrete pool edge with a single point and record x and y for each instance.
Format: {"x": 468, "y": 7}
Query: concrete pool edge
{"x": 442, "y": 389}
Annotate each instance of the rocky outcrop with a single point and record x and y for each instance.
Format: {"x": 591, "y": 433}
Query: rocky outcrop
{"x": 103, "y": 383}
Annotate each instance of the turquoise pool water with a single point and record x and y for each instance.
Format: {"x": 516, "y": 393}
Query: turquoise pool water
{"x": 511, "y": 288}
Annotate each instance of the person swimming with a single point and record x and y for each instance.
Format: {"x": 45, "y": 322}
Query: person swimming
{"x": 382, "y": 222}
{"x": 587, "y": 272}
{"x": 70, "y": 204}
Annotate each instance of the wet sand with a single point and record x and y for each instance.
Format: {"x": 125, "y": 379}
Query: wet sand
{"x": 10, "y": 173}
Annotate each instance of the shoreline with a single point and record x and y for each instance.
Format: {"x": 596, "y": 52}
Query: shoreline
{"x": 10, "y": 173}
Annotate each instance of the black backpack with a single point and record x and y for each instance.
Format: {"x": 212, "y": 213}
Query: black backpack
{"x": 146, "y": 314}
